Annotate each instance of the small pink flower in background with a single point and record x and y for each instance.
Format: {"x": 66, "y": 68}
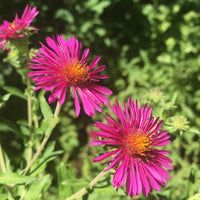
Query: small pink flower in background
{"x": 132, "y": 140}
{"x": 19, "y": 27}
{"x": 60, "y": 66}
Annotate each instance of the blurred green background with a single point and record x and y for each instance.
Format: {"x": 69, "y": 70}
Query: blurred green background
{"x": 152, "y": 52}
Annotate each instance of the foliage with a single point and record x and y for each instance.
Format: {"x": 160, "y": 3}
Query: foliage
{"x": 152, "y": 51}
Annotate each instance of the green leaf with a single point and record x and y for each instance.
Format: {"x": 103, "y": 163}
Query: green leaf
{"x": 65, "y": 15}
{"x": 40, "y": 166}
{"x": 100, "y": 6}
{"x": 15, "y": 91}
{"x": 36, "y": 188}
{"x": 45, "y": 108}
{"x": 7, "y": 163}
{"x": 64, "y": 173}
{"x": 51, "y": 125}
{"x": 191, "y": 182}
{"x": 4, "y": 98}
{"x": 71, "y": 186}
{"x": 47, "y": 126}
{"x": 7, "y": 125}
{"x": 5, "y": 197}
{"x": 48, "y": 155}
{"x": 12, "y": 178}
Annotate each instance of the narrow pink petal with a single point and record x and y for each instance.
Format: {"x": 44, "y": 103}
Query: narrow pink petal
{"x": 138, "y": 180}
{"x": 87, "y": 106}
{"x": 99, "y": 69}
{"x": 161, "y": 170}
{"x": 127, "y": 114}
{"x": 113, "y": 157}
{"x": 117, "y": 160}
{"x": 163, "y": 143}
{"x": 160, "y": 151}
{"x": 85, "y": 55}
{"x": 97, "y": 77}
{"x": 76, "y": 102}
{"x": 109, "y": 135}
{"x": 106, "y": 128}
{"x": 94, "y": 62}
{"x": 131, "y": 185}
{"x": 164, "y": 161}
{"x": 153, "y": 182}
{"x": 96, "y": 143}
{"x": 153, "y": 172}
{"x": 110, "y": 142}
{"x": 157, "y": 128}
{"x": 63, "y": 95}
{"x": 101, "y": 89}
{"x": 55, "y": 94}
{"x": 120, "y": 174}
{"x": 104, "y": 156}
{"x": 146, "y": 188}
{"x": 54, "y": 45}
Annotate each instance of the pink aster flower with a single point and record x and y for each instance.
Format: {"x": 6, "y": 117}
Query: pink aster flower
{"x": 19, "y": 27}
{"x": 132, "y": 141}
{"x": 60, "y": 66}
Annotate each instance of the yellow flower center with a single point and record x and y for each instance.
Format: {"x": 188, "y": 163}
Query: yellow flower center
{"x": 75, "y": 73}
{"x": 137, "y": 143}
{"x": 12, "y": 25}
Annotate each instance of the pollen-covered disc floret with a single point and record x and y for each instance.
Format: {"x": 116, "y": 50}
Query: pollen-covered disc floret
{"x": 59, "y": 66}
{"x": 136, "y": 142}
{"x": 134, "y": 157}
{"x": 75, "y": 73}
{"x": 18, "y": 27}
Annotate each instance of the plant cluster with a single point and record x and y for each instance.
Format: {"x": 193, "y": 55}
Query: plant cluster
{"x": 145, "y": 97}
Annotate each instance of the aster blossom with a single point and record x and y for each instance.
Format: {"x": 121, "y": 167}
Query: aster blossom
{"x": 132, "y": 140}
{"x": 60, "y": 67}
{"x": 19, "y": 27}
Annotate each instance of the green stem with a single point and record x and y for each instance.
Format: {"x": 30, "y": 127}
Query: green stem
{"x": 84, "y": 190}
{"x": 29, "y": 108}
{"x": 44, "y": 141}
{"x": 2, "y": 161}
{"x": 35, "y": 119}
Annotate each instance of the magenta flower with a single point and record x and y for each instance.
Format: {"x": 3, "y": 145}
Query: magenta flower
{"x": 132, "y": 141}
{"x": 59, "y": 66}
{"x": 19, "y": 27}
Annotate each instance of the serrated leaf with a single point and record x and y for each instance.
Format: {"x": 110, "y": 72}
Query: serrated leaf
{"x": 15, "y": 91}
{"x": 13, "y": 178}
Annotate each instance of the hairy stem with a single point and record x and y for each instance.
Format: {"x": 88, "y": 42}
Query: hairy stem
{"x": 84, "y": 190}
{"x": 2, "y": 161}
{"x": 44, "y": 141}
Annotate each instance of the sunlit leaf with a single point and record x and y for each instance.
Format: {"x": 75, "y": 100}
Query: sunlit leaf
{"x": 13, "y": 178}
